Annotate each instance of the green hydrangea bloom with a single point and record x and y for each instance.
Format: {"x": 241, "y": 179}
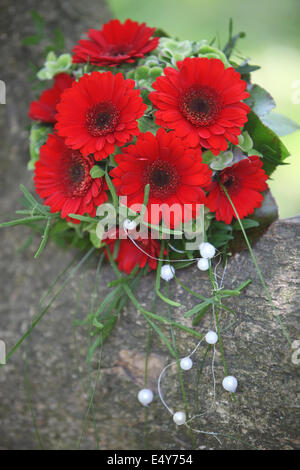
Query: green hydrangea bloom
{"x": 54, "y": 65}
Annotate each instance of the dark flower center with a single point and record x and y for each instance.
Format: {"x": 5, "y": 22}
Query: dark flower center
{"x": 75, "y": 172}
{"x": 102, "y": 118}
{"x": 229, "y": 181}
{"x": 119, "y": 49}
{"x": 200, "y": 105}
{"x": 163, "y": 179}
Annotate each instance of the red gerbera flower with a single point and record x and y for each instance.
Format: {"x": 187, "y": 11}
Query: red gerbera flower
{"x": 174, "y": 172}
{"x": 115, "y": 43}
{"x": 202, "y": 102}
{"x": 244, "y": 181}
{"x": 99, "y": 112}
{"x": 129, "y": 255}
{"x": 45, "y": 108}
{"x": 62, "y": 179}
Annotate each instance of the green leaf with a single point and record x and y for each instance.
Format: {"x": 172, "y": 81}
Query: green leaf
{"x": 142, "y": 73}
{"x": 267, "y": 143}
{"x": 158, "y": 279}
{"x": 147, "y": 124}
{"x": 247, "y": 223}
{"x": 280, "y": 124}
{"x": 112, "y": 190}
{"x": 160, "y": 33}
{"x": 162, "y": 336}
{"x": 146, "y": 194}
{"x": 23, "y": 221}
{"x": 208, "y": 157}
{"x": 247, "y": 68}
{"x": 39, "y": 22}
{"x": 245, "y": 142}
{"x": 199, "y": 308}
{"x": 96, "y": 242}
{"x": 59, "y": 40}
{"x": 83, "y": 218}
{"x": 260, "y": 101}
{"x": 38, "y": 137}
{"x": 97, "y": 172}
{"x": 200, "y": 314}
{"x": 44, "y": 239}
{"x": 155, "y": 72}
{"x": 31, "y": 40}
{"x": 222, "y": 161}
{"x": 228, "y": 49}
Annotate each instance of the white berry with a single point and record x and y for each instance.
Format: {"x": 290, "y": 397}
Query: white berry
{"x": 129, "y": 224}
{"x": 207, "y": 250}
{"x": 211, "y": 337}
{"x": 203, "y": 264}
{"x": 230, "y": 383}
{"x": 145, "y": 396}
{"x": 186, "y": 363}
{"x": 167, "y": 272}
{"x": 179, "y": 418}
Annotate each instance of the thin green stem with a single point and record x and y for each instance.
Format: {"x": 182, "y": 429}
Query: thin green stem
{"x": 256, "y": 266}
{"x": 199, "y": 374}
{"x": 44, "y": 239}
{"x": 215, "y": 291}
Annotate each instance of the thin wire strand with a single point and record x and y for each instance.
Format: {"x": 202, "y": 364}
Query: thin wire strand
{"x": 159, "y": 386}
{"x": 153, "y": 257}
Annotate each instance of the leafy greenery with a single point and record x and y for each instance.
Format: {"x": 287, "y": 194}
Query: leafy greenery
{"x": 54, "y": 65}
{"x": 97, "y": 172}
{"x": 267, "y": 143}
{"x": 38, "y": 136}
{"x": 260, "y": 100}
{"x": 57, "y": 43}
{"x": 280, "y": 124}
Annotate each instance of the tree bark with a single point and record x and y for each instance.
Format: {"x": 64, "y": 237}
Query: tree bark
{"x": 50, "y": 367}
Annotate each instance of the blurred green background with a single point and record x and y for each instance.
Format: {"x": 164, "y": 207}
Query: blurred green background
{"x": 272, "y": 41}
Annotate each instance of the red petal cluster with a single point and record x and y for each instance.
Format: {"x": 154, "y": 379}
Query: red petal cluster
{"x": 99, "y": 112}
{"x": 115, "y": 44}
{"x": 44, "y": 109}
{"x": 244, "y": 182}
{"x": 202, "y": 103}
{"x": 62, "y": 179}
{"x": 174, "y": 172}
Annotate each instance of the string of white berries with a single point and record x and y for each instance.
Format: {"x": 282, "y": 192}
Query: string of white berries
{"x": 167, "y": 272}
{"x": 229, "y": 383}
{"x": 207, "y": 251}
{"x": 129, "y": 224}
{"x": 179, "y": 417}
{"x": 145, "y": 396}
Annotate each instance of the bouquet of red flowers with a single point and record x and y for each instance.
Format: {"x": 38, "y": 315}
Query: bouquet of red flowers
{"x": 154, "y": 153}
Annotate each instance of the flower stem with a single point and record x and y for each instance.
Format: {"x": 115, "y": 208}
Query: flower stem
{"x": 257, "y": 267}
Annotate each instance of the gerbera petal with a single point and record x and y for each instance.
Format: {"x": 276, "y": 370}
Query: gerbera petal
{"x": 62, "y": 178}
{"x": 115, "y": 44}
{"x": 204, "y": 97}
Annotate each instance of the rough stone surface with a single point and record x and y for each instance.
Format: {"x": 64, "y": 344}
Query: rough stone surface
{"x": 50, "y": 371}
{"x": 266, "y": 413}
